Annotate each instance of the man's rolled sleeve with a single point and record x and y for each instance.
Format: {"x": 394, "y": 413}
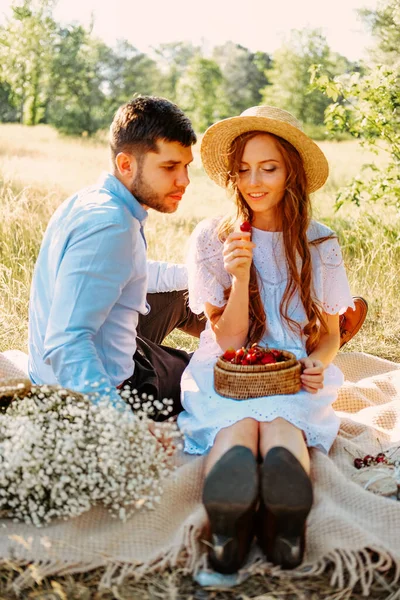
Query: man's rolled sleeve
{"x": 166, "y": 277}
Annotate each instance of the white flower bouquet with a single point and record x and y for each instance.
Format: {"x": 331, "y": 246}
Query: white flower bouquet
{"x": 60, "y": 454}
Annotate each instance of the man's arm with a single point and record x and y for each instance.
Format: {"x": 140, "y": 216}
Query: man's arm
{"x": 166, "y": 277}
{"x": 90, "y": 279}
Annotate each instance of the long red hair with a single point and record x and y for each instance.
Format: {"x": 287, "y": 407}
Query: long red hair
{"x": 295, "y": 212}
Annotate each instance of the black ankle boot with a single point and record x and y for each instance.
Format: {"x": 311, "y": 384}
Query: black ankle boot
{"x": 230, "y": 497}
{"x": 286, "y": 500}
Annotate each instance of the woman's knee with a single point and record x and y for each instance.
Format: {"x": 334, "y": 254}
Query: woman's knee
{"x": 244, "y": 427}
{"x": 247, "y": 424}
{"x": 279, "y": 428}
{"x": 278, "y": 424}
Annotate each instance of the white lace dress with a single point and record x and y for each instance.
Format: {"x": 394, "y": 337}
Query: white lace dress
{"x": 206, "y": 412}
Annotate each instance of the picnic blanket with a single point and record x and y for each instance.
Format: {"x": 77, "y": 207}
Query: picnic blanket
{"x": 353, "y": 530}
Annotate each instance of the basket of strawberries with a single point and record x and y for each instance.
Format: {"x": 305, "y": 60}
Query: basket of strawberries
{"x": 256, "y": 371}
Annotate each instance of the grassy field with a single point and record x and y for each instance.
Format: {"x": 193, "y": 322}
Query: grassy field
{"x": 39, "y": 169}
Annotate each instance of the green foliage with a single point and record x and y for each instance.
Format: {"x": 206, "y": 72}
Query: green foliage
{"x": 290, "y": 79}
{"x": 200, "y": 92}
{"x": 129, "y": 72}
{"x": 64, "y": 76}
{"x": 8, "y": 109}
{"x": 173, "y": 59}
{"x": 77, "y": 101}
{"x": 368, "y": 108}
{"x": 321, "y": 133}
{"x": 26, "y": 44}
{"x": 370, "y": 111}
{"x": 384, "y": 24}
{"x": 244, "y": 75}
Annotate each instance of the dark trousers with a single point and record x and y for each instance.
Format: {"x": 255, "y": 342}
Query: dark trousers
{"x": 158, "y": 368}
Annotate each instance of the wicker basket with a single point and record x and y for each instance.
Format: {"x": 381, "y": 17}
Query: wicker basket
{"x": 253, "y": 381}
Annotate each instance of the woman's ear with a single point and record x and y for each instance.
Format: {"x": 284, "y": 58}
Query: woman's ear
{"x": 126, "y": 165}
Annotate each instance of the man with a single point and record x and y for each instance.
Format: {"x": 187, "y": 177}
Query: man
{"x": 88, "y": 297}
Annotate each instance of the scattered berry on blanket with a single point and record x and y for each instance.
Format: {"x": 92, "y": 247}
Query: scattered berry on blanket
{"x": 368, "y": 460}
{"x": 380, "y": 458}
{"x": 245, "y": 226}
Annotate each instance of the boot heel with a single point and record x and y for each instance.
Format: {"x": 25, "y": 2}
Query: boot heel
{"x": 230, "y": 496}
{"x": 287, "y": 497}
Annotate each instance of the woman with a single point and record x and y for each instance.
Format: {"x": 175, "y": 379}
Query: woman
{"x": 282, "y": 284}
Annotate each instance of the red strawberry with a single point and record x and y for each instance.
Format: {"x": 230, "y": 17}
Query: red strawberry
{"x": 245, "y": 226}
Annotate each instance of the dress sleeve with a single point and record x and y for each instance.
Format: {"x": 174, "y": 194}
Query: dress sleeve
{"x": 206, "y": 274}
{"x": 331, "y": 284}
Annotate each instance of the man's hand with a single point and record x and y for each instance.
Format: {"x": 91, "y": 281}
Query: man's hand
{"x": 312, "y": 376}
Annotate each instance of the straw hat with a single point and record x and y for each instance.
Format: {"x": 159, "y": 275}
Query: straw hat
{"x": 217, "y": 140}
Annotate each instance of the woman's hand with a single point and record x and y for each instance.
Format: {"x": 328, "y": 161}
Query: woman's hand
{"x": 312, "y": 376}
{"x": 238, "y": 254}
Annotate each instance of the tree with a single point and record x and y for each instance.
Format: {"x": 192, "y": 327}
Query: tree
{"x": 8, "y": 110}
{"x": 290, "y": 75}
{"x": 79, "y": 84}
{"x": 26, "y": 47}
{"x": 370, "y": 111}
{"x": 200, "y": 92}
{"x": 244, "y": 75}
{"x": 173, "y": 59}
{"x": 130, "y": 72}
{"x": 384, "y": 24}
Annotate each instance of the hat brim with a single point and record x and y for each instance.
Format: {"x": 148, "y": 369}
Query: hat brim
{"x": 218, "y": 138}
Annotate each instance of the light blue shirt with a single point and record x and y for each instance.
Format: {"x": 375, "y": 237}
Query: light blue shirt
{"x": 89, "y": 287}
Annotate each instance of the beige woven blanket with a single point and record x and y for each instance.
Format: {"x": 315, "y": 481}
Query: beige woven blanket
{"x": 344, "y": 522}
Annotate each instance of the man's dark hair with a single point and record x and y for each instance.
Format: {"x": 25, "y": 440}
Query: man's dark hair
{"x": 139, "y": 124}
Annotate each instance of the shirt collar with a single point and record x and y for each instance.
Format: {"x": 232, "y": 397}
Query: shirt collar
{"x": 113, "y": 185}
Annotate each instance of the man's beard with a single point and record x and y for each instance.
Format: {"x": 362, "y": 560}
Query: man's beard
{"x": 145, "y": 194}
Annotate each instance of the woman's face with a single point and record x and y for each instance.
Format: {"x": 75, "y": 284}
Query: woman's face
{"x": 261, "y": 178}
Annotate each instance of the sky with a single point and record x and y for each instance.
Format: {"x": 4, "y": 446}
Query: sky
{"x": 256, "y": 24}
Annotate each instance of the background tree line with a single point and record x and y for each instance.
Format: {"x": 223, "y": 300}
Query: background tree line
{"x": 64, "y": 76}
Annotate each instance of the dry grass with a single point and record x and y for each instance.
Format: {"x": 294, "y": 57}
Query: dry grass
{"x": 178, "y": 585}
{"x": 38, "y": 169}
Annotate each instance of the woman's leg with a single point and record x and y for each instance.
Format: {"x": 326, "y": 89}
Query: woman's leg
{"x": 286, "y": 493}
{"x": 230, "y": 494}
